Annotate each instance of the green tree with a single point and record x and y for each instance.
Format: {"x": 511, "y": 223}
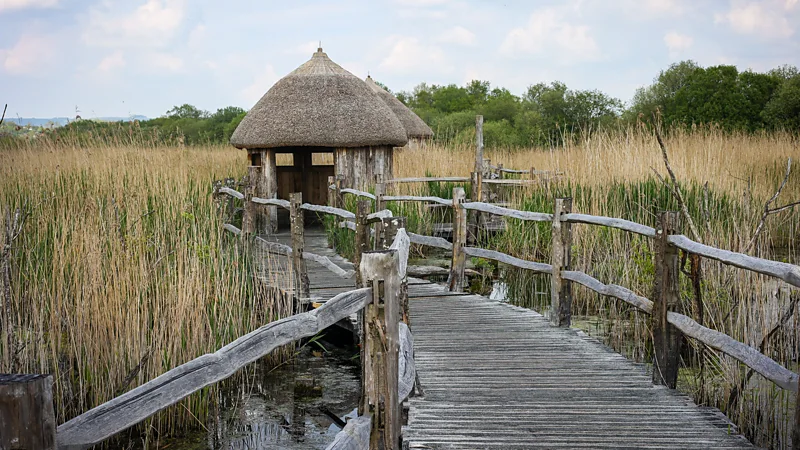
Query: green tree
{"x": 783, "y": 110}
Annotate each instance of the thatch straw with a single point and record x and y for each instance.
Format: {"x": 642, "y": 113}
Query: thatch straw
{"x": 319, "y": 105}
{"x": 415, "y": 127}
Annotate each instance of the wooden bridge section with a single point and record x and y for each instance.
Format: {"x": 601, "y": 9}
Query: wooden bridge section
{"x": 499, "y": 376}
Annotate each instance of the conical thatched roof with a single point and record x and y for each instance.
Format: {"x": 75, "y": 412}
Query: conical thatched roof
{"x": 415, "y": 127}
{"x": 319, "y": 105}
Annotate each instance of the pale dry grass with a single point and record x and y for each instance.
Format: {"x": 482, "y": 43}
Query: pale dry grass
{"x": 122, "y": 263}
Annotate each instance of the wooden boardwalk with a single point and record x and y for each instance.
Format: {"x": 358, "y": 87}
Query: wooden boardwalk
{"x": 499, "y": 376}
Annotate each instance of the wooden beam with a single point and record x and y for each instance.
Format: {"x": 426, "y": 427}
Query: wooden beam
{"x": 459, "y": 260}
{"x": 561, "y": 289}
{"x": 249, "y": 214}
{"x": 27, "y": 420}
{"x": 332, "y": 192}
{"x": 269, "y": 189}
{"x": 380, "y": 205}
{"x": 298, "y": 263}
{"x": 478, "y": 145}
{"x": 474, "y": 217}
{"x": 666, "y": 296}
{"x": 381, "y": 270}
{"x": 362, "y": 236}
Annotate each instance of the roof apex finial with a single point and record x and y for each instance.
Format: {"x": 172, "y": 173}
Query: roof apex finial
{"x": 319, "y": 49}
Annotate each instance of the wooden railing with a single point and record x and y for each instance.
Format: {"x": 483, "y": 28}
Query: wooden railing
{"x": 668, "y": 325}
{"x": 386, "y": 346}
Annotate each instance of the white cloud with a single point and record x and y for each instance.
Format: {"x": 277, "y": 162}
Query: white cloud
{"x": 765, "y": 19}
{"x": 457, "y": 35}
{"x": 422, "y": 3}
{"x": 548, "y": 32}
{"x": 8, "y": 5}
{"x": 198, "y": 37}
{"x": 111, "y": 62}
{"x": 262, "y": 82}
{"x": 152, "y": 24}
{"x": 165, "y": 61}
{"x": 307, "y": 48}
{"x": 790, "y": 4}
{"x": 29, "y": 56}
{"x": 665, "y": 7}
{"x": 409, "y": 55}
{"x": 677, "y": 43}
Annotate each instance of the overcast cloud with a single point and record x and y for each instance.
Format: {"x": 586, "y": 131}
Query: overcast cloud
{"x": 144, "y": 56}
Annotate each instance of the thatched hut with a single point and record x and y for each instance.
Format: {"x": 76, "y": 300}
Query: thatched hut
{"x": 417, "y": 130}
{"x": 319, "y": 108}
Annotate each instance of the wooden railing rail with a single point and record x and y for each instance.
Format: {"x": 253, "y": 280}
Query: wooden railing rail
{"x": 136, "y": 405}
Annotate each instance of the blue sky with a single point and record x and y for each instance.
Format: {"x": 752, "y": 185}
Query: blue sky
{"x": 117, "y": 58}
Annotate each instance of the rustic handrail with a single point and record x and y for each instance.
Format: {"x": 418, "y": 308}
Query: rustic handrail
{"x": 232, "y": 192}
{"x": 427, "y": 179}
{"x": 136, "y": 405}
{"x": 343, "y": 213}
{"x": 355, "y": 192}
{"x": 507, "y": 212}
{"x": 430, "y": 241}
{"x": 271, "y": 201}
{"x": 785, "y": 271}
{"x": 417, "y": 198}
{"x": 611, "y": 222}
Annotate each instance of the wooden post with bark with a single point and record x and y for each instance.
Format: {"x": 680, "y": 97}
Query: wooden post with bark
{"x": 297, "y": 223}
{"x": 27, "y": 420}
{"x": 475, "y": 216}
{"x": 332, "y": 192}
{"x": 362, "y": 237}
{"x": 380, "y": 348}
{"x": 249, "y": 213}
{"x": 380, "y": 191}
{"x": 667, "y": 340}
{"x": 561, "y": 259}
{"x": 390, "y": 227}
{"x": 459, "y": 261}
{"x": 479, "y": 167}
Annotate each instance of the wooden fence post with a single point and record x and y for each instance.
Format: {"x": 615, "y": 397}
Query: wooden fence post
{"x": 362, "y": 237}
{"x": 379, "y": 206}
{"x": 249, "y": 212}
{"x": 390, "y": 227}
{"x": 667, "y": 339}
{"x": 796, "y": 431}
{"x": 332, "y": 192}
{"x": 479, "y": 144}
{"x": 27, "y": 420}
{"x": 475, "y": 216}
{"x": 339, "y": 194}
{"x": 380, "y": 348}
{"x": 500, "y": 171}
{"x": 297, "y": 223}
{"x": 459, "y": 261}
{"x": 561, "y": 259}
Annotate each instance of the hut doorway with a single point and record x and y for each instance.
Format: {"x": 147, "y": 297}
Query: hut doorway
{"x": 306, "y": 170}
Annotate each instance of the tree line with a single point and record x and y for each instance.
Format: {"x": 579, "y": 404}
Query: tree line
{"x": 546, "y": 114}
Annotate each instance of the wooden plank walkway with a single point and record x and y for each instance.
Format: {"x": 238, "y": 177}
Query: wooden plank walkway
{"x": 499, "y": 376}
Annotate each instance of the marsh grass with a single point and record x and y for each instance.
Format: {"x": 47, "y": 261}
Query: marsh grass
{"x": 123, "y": 271}
{"x": 611, "y": 174}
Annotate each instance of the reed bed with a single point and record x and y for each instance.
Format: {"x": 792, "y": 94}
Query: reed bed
{"x": 122, "y": 270}
{"x": 726, "y": 178}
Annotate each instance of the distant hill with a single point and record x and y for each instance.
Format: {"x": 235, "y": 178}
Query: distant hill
{"x": 61, "y": 121}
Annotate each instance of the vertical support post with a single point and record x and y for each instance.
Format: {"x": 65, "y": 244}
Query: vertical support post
{"x": 561, "y": 259}
{"x": 532, "y": 173}
{"x": 479, "y": 145}
{"x": 667, "y": 339}
{"x": 27, "y": 419}
{"x": 476, "y": 179}
{"x": 500, "y": 171}
{"x": 339, "y": 194}
{"x": 390, "y": 227}
{"x": 270, "y": 189}
{"x": 249, "y": 213}
{"x": 459, "y": 261}
{"x": 332, "y": 192}
{"x": 362, "y": 237}
{"x": 379, "y": 206}
{"x": 796, "y": 431}
{"x": 298, "y": 263}
{"x": 380, "y": 348}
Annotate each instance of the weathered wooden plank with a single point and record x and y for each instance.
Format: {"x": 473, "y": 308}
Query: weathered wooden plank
{"x": 427, "y": 179}
{"x": 511, "y": 182}
{"x": 786, "y": 272}
{"x": 354, "y": 435}
{"x": 406, "y": 369}
{"x": 379, "y": 215}
{"x": 271, "y": 201}
{"x": 232, "y": 229}
{"x": 343, "y": 213}
{"x": 349, "y": 224}
{"x": 232, "y": 192}
{"x": 430, "y": 241}
{"x": 508, "y": 212}
{"x": 508, "y": 259}
{"x": 431, "y": 271}
{"x": 611, "y": 222}
{"x": 27, "y": 420}
{"x": 141, "y": 402}
{"x": 561, "y": 259}
{"x": 416, "y": 198}
{"x": 358, "y": 193}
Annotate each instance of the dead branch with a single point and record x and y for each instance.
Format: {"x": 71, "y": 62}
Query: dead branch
{"x": 768, "y": 211}
{"x": 676, "y": 191}
{"x": 4, "y": 114}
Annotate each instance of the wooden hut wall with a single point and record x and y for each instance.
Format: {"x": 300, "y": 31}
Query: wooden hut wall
{"x": 361, "y": 166}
